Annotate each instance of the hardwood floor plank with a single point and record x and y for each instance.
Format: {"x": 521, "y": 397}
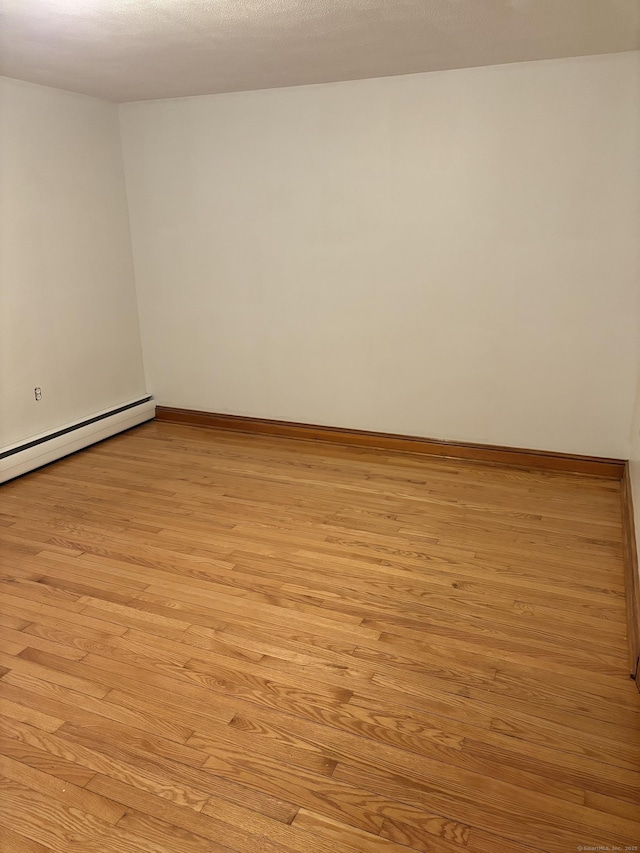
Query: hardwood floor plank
{"x": 495, "y": 749}
{"x": 519, "y": 821}
{"x": 286, "y": 753}
{"x": 365, "y": 842}
{"x": 13, "y": 622}
{"x": 27, "y": 663}
{"x": 26, "y": 637}
{"x": 566, "y": 739}
{"x": 226, "y": 793}
{"x": 12, "y": 842}
{"x": 64, "y": 792}
{"x": 36, "y": 611}
{"x": 418, "y": 836}
{"x": 161, "y": 832}
{"x": 456, "y": 778}
{"x": 169, "y": 708}
{"x": 344, "y": 802}
{"x": 219, "y": 643}
{"x": 135, "y": 741}
{"x": 349, "y": 740}
{"x": 100, "y": 762}
{"x": 26, "y": 714}
{"x": 611, "y": 805}
{"x": 212, "y": 824}
{"x": 201, "y": 687}
{"x": 347, "y": 803}
{"x": 55, "y": 766}
{"x": 573, "y": 769}
{"x": 81, "y": 709}
{"x": 47, "y": 822}
{"x": 484, "y": 842}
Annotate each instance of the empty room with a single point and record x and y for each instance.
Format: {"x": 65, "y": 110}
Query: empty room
{"x": 319, "y": 426}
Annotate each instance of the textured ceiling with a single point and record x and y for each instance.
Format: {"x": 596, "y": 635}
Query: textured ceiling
{"x": 134, "y": 49}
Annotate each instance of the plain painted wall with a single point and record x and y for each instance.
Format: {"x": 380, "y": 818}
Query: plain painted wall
{"x": 452, "y": 254}
{"x": 634, "y": 465}
{"x": 68, "y": 314}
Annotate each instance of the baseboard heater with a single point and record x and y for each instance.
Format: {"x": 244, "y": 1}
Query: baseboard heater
{"x": 42, "y": 449}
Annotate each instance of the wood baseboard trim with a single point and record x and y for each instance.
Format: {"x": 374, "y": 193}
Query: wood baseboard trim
{"x": 540, "y": 459}
{"x": 631, "y": 576}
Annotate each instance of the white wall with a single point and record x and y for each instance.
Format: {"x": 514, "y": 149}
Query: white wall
{"x": 634, "y": 466}
{"x": 68, "y": 316}
{"x": 450, "y": 254}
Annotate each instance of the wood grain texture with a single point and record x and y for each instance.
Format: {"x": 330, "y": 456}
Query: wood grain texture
{"x": 543, "y": 459}
{"x": 217, "y": 642}
{"x": 632, "y": 576}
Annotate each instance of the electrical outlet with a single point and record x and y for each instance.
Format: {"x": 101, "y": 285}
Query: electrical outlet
{"x": 37, "y": 393}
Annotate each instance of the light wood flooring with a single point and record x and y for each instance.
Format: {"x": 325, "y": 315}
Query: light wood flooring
{"x": 213, "y": 642}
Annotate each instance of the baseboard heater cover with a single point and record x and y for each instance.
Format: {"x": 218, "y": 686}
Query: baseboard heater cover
{"x": 40, "y": 450}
